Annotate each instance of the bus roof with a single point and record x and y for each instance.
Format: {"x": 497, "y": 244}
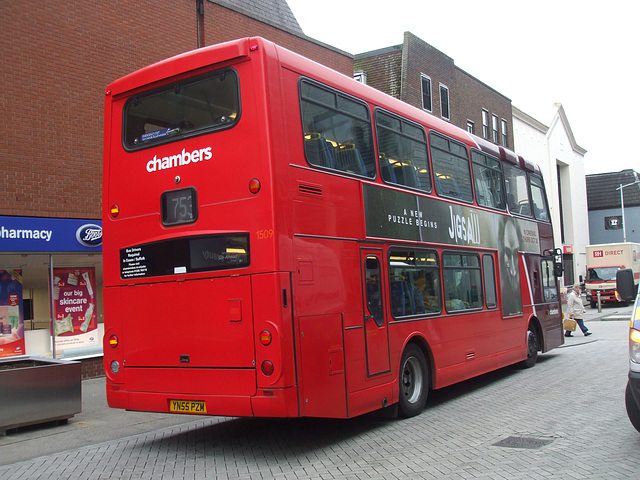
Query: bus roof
{"x": 242, "y": 48}
{"x": 184, "y": 62}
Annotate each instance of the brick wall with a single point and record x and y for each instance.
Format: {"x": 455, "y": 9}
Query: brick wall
{"x": 92, "y": 367}
{"x": 58, "y": 58}
{"x": 472, "y": 96}
{"x": 398, "y": 71}
{"x": 222, "y": 24}
{"x": 383, "y": 68}
{"x": 422, "y": 58}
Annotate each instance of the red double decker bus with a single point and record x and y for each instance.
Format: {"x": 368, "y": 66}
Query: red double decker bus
{"x": 283, "y": 241}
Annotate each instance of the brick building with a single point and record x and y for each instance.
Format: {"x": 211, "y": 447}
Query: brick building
{"x": 424, "y": 77}
{"x": 58, "y": 58}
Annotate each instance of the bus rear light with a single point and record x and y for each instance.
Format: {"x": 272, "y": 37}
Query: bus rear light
{"x": 267, "y": 368}
{"x": 114, "y": 211}
{"x": 265, "y": 337}
{"x": 113, "y": 341}
{"x": 253, "y": 48}
{"x": 115, "y": 366}
{"x": 254, "y": 185}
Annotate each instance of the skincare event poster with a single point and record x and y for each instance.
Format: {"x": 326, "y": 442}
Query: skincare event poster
{"x": 11, "y": 314}
{"x": 75, "y": 320}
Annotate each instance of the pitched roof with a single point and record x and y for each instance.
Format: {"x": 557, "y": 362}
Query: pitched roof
{"x": 273, "y": 12}
{"x": 603, "y": 190}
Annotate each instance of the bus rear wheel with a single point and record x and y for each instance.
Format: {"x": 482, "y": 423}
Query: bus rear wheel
{"x": 532, "y": 348}
{"x": 414, "y": 382}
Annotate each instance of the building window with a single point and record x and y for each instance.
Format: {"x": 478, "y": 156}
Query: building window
{"x": 504, "y": 133}
{"x": 426, "y": 93}
{"x": 444, "y": 101}
{"x": 470, "y": 127}
{"x": 494, "y": 128}
{"x": 485, "y": 124}
{"x": 360, "y": 76}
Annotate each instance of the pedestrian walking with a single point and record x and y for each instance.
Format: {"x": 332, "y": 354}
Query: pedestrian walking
{"x": 575, "y": 309}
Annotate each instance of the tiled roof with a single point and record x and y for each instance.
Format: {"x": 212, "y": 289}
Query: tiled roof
{"x": 602, "y": 193}
{"x": 273, "y": 12}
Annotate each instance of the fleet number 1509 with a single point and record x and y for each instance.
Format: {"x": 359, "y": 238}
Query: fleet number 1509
{"x": 264, "y": 234}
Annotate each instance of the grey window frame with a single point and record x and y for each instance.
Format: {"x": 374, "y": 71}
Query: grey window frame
{"x": 445, "y": 99}
{"x": 428, "y": 95}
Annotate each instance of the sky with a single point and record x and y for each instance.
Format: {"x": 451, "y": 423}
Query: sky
{"x": 580, "y": 53}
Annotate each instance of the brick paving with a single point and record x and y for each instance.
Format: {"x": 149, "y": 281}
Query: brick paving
{"x": 565, "y": 418}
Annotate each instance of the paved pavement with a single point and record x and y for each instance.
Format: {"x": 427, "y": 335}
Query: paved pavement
{"x": 565, "y": 418}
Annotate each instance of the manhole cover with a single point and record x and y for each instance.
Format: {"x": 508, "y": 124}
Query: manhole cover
{"x": 524, "y": 442}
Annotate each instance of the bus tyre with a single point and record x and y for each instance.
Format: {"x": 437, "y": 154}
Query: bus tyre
{"x": 633, "y": 411}
{"x": 532, "y": 348}
{"x": 414, "y": 382}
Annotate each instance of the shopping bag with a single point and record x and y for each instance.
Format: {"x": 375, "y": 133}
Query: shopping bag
{"x": 570, "y": 324}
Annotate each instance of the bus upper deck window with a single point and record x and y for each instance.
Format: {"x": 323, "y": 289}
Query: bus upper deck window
{"x": 186, "y": 108}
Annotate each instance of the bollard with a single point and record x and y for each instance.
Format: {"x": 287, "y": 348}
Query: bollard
{"x": 599, "y": 303}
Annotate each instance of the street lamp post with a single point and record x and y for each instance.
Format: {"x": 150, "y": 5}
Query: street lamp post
{"x": 624, "y": 225}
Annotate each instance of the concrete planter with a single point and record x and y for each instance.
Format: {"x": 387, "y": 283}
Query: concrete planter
{"x": 35, "y": 390}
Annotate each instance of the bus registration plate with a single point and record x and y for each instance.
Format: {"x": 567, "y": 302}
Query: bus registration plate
{"x": 187, "y": 406}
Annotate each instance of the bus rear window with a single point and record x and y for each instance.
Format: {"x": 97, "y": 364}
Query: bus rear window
{"x": 185, "y": 108}
{"x": 185, "y": 255}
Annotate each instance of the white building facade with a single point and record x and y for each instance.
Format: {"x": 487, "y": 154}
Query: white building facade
{"x": 561, "y": 159}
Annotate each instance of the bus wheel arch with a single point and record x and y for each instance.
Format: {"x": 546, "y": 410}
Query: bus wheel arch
{"x": 414, "y": 380}
{"x": 534, "y": 345}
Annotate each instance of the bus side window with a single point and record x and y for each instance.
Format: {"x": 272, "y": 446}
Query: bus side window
{"x": 414, "y": 282}
{"x": 451, "y": 169}
{"x": 462, "y": 281}
{"x": 538, "y": 197}
{"x": 374, "y": 289}
{"x": 489, "y": 270}
{"x": 517, "y": 190}
{"x": 337, "y": 130}
{"x": 549, "y": 284}
{"x": 402, "y": 152}
{"x": 488, "y": 179}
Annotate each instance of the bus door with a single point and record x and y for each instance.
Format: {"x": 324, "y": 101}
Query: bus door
{"x": 375, "y": 325}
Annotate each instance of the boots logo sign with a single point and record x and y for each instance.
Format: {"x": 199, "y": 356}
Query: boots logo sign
{"x": 89, "y": 235}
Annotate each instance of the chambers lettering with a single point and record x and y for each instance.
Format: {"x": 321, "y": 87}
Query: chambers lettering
{"x": 178, "y": 160}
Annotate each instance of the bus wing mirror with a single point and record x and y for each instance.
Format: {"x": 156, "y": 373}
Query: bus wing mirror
{"x": 557, "y": 269}
{"x": 625, "y": 284}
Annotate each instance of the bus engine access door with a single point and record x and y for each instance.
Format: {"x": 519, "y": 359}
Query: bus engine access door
{"x": 375, "y": 326}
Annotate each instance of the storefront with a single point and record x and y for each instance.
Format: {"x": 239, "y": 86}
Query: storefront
{"x": 50, "y": 287}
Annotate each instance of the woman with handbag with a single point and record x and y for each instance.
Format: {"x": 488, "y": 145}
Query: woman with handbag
{"x": 575, "y": 309}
